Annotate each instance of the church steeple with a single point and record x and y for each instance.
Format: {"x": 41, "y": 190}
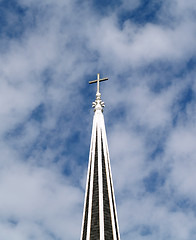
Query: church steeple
{"x": 99, "y": 217}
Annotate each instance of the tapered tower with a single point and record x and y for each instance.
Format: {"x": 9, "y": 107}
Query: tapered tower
{"x": 99, "y": 217}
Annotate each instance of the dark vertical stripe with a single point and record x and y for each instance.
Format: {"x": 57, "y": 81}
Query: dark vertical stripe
{"x": 86, "y": 207}
{"x": 94, "y": 234}
{"x": 108, "y": 233}
{"x": 115, "y": 217}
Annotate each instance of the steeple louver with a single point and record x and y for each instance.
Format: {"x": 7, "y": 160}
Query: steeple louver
{"x": 99, "y": 217}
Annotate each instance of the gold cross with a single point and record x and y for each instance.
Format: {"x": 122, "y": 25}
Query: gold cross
{"x": 97, "y": 81}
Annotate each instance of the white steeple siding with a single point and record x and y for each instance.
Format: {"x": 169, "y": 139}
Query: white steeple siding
{"x": 99, "y": 217}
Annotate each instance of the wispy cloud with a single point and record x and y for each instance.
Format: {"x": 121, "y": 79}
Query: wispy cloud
{"x": 48, "y": 52}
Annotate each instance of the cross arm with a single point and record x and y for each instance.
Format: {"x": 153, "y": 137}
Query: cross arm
{"x": 100, "y": 80}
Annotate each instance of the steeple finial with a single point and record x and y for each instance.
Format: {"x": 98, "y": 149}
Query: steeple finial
{"x": 98, "y": 104}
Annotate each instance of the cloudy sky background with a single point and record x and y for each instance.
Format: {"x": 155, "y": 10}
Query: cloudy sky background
{"x": 49, "y": 50}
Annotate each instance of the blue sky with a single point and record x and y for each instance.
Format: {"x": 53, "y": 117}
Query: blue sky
{"x": 49, "y": 50}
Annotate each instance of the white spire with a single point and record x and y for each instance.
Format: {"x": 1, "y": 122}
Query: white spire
{"x": 99, "y": 217}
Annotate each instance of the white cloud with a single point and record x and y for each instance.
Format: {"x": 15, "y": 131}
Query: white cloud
{"x": 38, "y": 199}
{"x": 47, "y": 65}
